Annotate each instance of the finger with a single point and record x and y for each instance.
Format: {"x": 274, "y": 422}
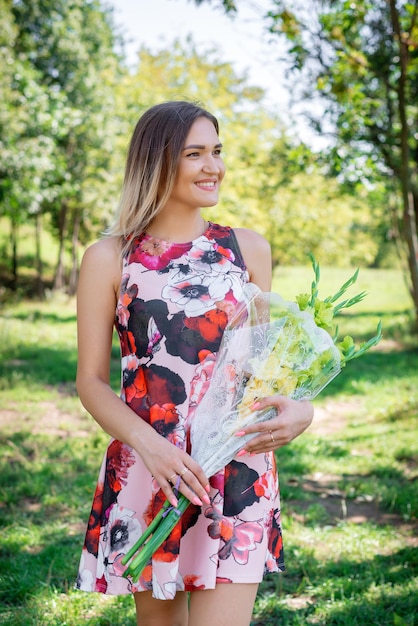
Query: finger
{"x": 191, "y": 487}
{"x": 277, "y": 401}
{"x": 167, "y": 489}
{"x": 185, "y": 481}
{"x": 172, "y": 489}
{"x": 267, "y": 441}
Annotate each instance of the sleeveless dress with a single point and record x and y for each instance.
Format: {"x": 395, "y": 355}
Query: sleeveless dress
{"x": 173, "y": 307}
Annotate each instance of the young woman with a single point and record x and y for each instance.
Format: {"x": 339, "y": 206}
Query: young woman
{"x": 168, "y": 279}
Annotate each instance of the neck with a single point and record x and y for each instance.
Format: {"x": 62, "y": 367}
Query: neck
{"x": 175, "y": 228}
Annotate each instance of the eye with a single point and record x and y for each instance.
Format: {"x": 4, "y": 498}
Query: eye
{"x": 217, "y": 152}
{"x": 192, "y": 154}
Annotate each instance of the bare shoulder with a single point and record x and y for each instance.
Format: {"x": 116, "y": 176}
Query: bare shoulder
{"x": 247, "y": 237}
{"x": 106, "y": 249}
{"x": 103, "y": 259}
{"x": 257, "y": 256}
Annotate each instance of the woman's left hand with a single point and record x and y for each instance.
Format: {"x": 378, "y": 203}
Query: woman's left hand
{"x": 293, "y": 417}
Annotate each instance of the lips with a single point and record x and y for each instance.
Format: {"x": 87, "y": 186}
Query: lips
{"x": 209, "y": 185}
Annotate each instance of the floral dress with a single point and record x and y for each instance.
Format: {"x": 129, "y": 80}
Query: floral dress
{"x": 173, "y": 308}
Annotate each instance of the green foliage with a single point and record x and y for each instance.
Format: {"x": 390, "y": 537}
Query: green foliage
{"x": 58, "y": 72}
{"x": 362, "y": 58}
{"x": 69, "y": 106}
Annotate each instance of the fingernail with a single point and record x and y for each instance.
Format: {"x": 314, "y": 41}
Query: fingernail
{"x": 240, "y": 433}
{"x": 242, "y": 452}
{"x": 197, "y": 501}
{"x": 173, "y": 501}
{"x": 255, "y": 406}
{"x": 207, "y": 488}
{"x": 206, "y": 499}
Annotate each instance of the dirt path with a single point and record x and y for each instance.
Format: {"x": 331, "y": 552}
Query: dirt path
{"x": 331, "y": 419}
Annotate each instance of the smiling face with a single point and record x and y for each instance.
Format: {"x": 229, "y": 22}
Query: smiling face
{"x": 200, "y": 168}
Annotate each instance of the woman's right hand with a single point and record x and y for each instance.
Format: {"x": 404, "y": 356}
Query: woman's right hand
{"x": 174, "y": 468}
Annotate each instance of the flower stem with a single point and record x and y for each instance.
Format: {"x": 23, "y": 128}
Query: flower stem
{"x": 155, "y": 522}
{"x": 161, "y": 528}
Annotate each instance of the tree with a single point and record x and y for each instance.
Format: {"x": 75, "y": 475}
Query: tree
{"x": 361, "y": 57}
{"x": 271, "y": 181}
{"x": 26, "y": 158}
{"x": 66, "y": 48}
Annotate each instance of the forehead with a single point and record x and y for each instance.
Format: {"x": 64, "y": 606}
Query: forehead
{"x": 202, "y": 131}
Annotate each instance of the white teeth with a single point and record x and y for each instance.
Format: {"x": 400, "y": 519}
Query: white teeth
{"x": 212, "y": 184}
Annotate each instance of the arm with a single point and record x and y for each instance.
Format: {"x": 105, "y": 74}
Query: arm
{"x": 97, "y": 295}
{"x": 293, "y": 417}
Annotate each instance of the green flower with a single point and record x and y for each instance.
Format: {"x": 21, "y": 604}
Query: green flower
{"x": 303, "y": 301}
{"x": 323, "y": 314}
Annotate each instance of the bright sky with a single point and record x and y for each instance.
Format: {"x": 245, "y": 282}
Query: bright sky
{"x": 242, "y": 40}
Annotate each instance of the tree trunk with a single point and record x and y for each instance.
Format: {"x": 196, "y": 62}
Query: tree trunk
{"x": 72, "y": 283}
{"x": 410, "y": 224}
{"x": 13, "y": 238}
{"x": 59, "y": 278}
{"x": 38, "y": 256}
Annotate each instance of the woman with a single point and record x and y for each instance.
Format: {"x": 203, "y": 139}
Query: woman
{"x": 173, "y": 278}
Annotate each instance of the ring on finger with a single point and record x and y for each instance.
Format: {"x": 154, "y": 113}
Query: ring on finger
{"x": 172, "y": 478}
{"x": 272, "y": 438}
{"x": 183, "y": 471}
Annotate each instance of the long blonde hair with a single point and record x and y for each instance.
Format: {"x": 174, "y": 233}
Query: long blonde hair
{"x": 151, "y": 166}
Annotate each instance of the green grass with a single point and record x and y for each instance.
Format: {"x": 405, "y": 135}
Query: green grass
{"x": 349, "y": 484}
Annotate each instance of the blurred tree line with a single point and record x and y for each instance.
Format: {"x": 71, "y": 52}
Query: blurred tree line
{"x": 359, "y": 58}
{"x": 69, "y": 104}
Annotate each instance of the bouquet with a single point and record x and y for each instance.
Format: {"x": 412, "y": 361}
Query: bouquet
{"x": 270, "y": 346}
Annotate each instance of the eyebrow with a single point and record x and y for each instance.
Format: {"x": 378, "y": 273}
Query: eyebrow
{"x": 196, "y": 146}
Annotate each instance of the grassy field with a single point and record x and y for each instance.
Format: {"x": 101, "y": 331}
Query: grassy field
{"x": 349, "y": 484}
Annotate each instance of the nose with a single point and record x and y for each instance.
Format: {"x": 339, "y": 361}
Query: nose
{"x": 212, "y": 165}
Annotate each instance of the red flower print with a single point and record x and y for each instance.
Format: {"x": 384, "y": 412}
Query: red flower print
{"x": 164, "y": 386}
{"x": 134, "y": 381}
{"x": 210, "y": 325}
{"x": 189, "y": 518}
{"x": 91, "y": 541}
{"x": 154, "y": 506}
{"x": 164, "y": 419}
{"x": 190, "y": 583}
{"x": 127, "y": 294}
{"x": 261, "y": 486}
{"x": 127, "y": 343}
{"x": 221, "y": 580}
{"x": 215, "y": 231}
{"x": 156, "y": 254}
{"x": 217, "y": 482}
{"x": 146, "y": 577}
{"x": 169, "y": 549}
{"x": 182, "y": 340}
{"x": 119, "y": 460}
{"x": 101, "y": 584}
{"x": 275, "y": 539}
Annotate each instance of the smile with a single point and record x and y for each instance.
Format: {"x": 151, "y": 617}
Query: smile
{"x": 207, "y": 185}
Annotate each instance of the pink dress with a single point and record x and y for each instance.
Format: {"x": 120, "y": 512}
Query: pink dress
{"x": 172, "y": 311}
